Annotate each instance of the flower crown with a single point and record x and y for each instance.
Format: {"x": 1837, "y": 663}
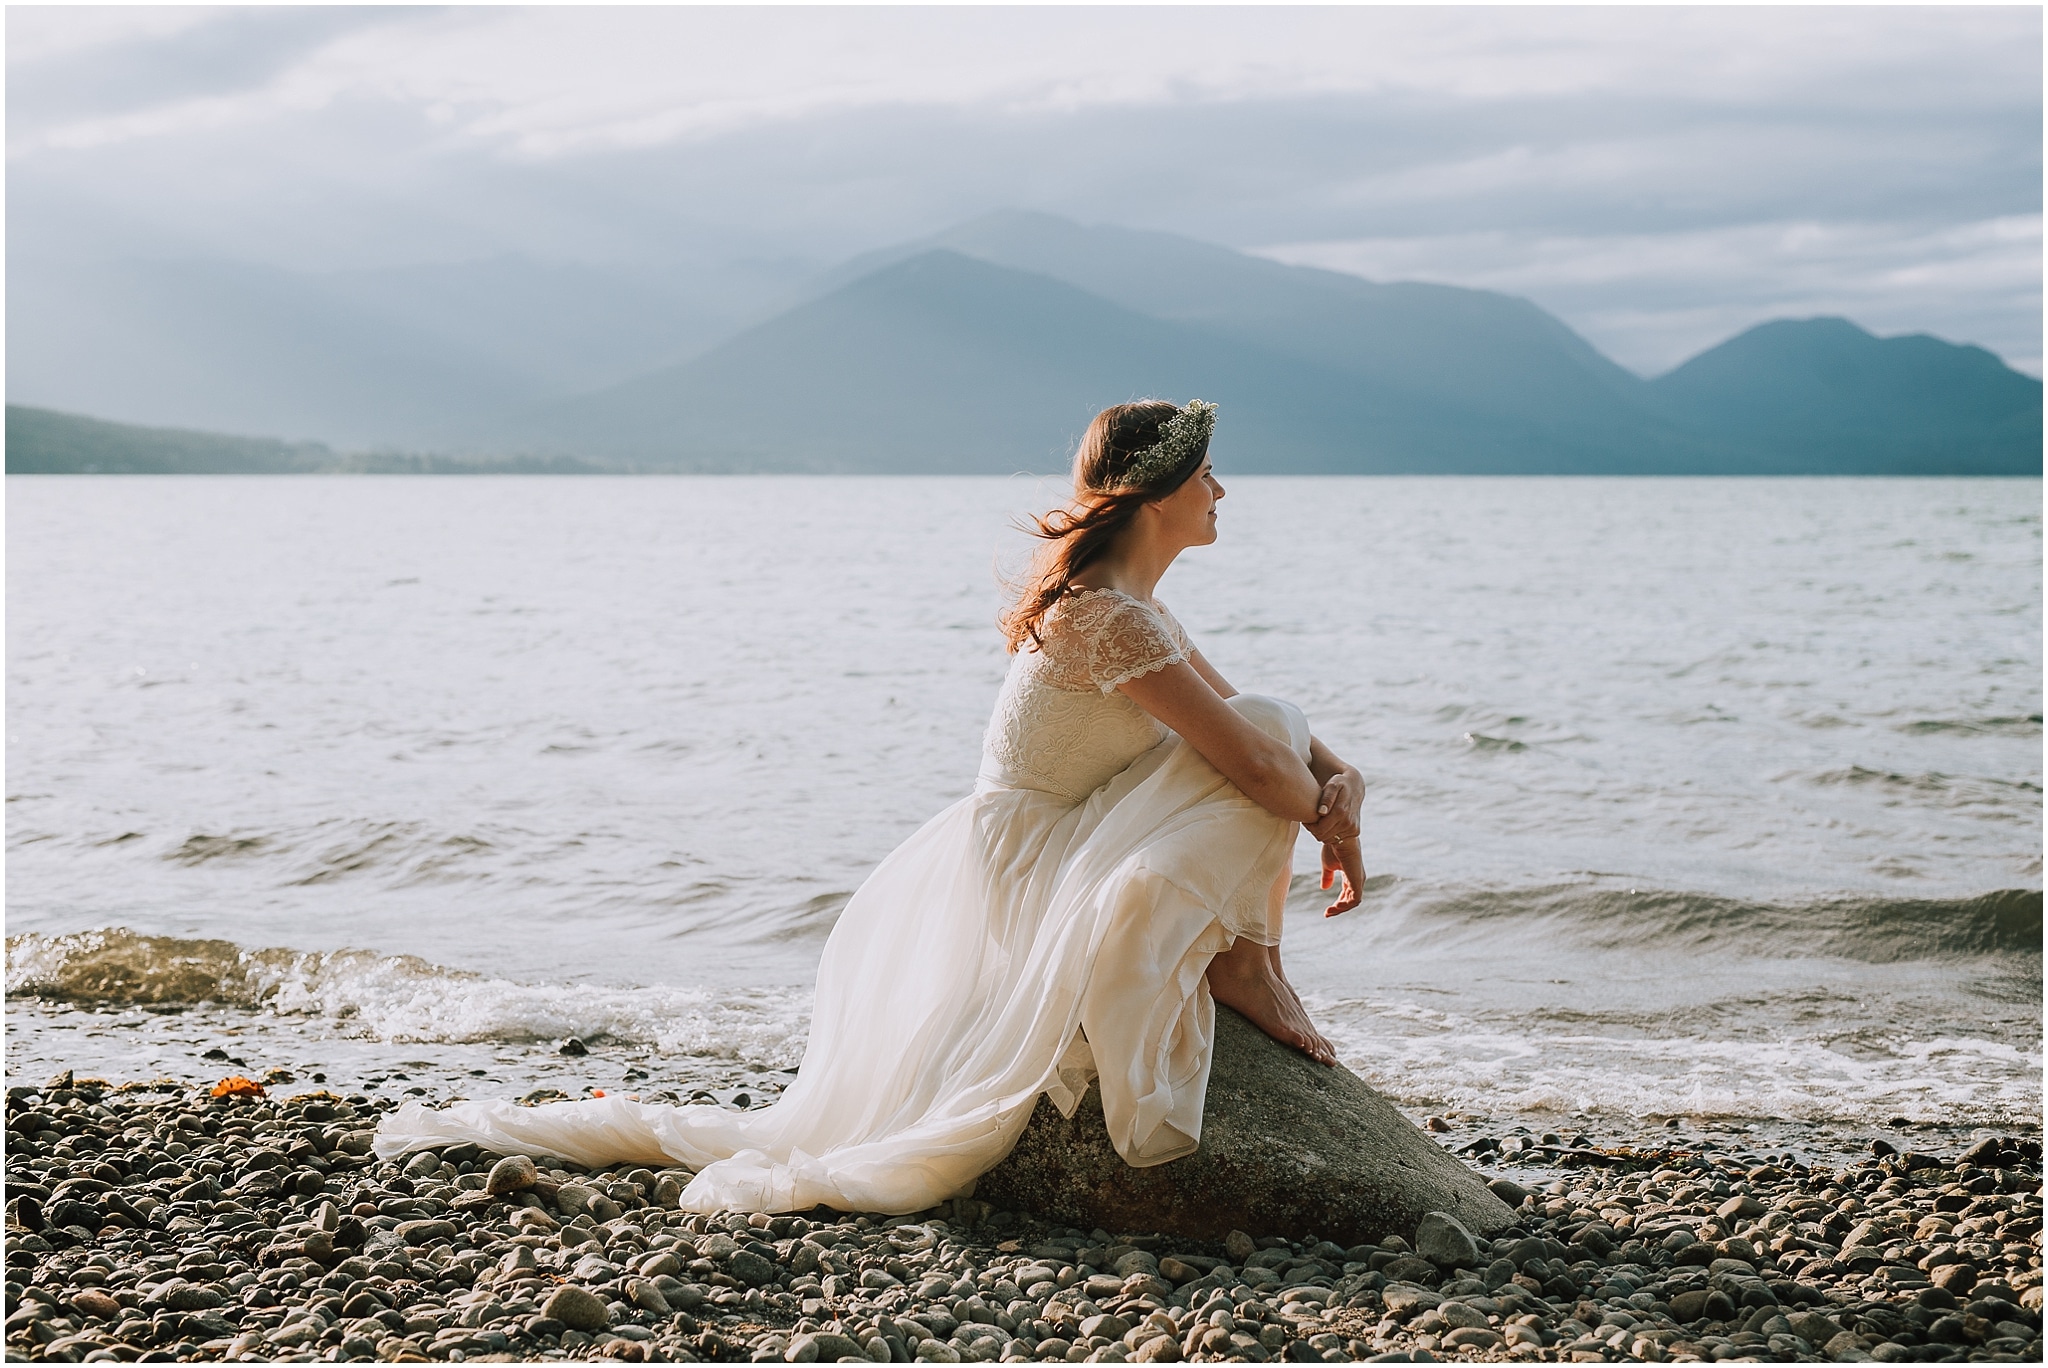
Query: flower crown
{"x": 1180, "y": 438}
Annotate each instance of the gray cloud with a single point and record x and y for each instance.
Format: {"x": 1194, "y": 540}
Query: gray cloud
{"x": 1660, "y": 178}
{"x": 217, "y": 55}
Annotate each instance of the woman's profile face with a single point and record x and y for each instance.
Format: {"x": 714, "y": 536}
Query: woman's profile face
{"x": 1189, "y": 512}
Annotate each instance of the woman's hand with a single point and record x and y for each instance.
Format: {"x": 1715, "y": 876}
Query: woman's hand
{"x": 1337, "y": 807}
{"x": 1344, "y": 857}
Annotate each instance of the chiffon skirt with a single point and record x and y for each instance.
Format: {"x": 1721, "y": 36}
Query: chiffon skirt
{"x": 1017, "y": 944}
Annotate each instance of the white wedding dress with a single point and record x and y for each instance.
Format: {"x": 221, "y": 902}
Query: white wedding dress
{"x": 1053, "y": 926}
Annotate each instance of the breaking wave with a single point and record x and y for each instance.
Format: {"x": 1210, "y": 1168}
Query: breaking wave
{"x": 1871, "y": 930}
{"x": 401, "y": 997}
{"x": 1432, "y": 1059}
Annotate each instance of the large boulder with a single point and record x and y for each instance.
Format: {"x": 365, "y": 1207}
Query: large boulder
{"x": 1289, "y": 1147}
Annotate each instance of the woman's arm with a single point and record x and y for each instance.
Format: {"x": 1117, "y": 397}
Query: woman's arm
{"x": 1342, "y": 786}
{"x": 1323, "y": 795}
{"x": 1264, "y": 767}
{"x": 1223, "y": 687}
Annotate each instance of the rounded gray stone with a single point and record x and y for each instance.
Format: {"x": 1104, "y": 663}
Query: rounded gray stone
{"x": 1442, "y": 1239}
{"x": 750, "y": 1267}
{"x": 1289, "y": 1147}
{"x": 578, "y": 1309}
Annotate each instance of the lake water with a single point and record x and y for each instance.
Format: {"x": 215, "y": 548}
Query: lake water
{"x": 1714, "y": 799}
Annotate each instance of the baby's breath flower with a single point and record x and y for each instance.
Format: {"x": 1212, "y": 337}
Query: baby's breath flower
{"x": 1180, "y": 437}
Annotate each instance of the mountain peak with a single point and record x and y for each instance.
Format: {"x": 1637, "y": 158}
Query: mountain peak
{"x": 1840, "y": 396}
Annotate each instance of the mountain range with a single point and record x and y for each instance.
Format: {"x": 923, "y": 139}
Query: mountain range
{"x": 986, "y": 349}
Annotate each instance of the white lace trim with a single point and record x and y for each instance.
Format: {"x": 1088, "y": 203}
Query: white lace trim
{"x": 1084, "y": 592}
{"x": 1141, "y": 671}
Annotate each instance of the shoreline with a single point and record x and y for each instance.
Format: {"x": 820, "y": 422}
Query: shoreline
{"x": 155, "y": 1221}
{"x": 127, "y": 1038}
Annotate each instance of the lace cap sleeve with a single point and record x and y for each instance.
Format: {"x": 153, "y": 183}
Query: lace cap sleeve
{"x": 1106, "y": 638}
{"x": 1180, "y": 633}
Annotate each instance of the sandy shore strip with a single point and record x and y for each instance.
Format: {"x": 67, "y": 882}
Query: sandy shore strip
{"x": 162, "y": 1222}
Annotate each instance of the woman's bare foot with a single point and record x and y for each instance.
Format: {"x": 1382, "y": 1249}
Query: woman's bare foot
{"x": 1245, "y": 979}
{"x": 1273, "y": 958}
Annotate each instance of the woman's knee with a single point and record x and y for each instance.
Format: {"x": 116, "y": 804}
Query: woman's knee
{"x": 1280, "y": 720}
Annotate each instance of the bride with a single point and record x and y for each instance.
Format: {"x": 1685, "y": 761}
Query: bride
{"x": 1120, "y": 867}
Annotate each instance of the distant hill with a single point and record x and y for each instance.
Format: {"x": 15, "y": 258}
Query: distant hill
{"x": 986, "y": 349}
{"x": 1830, "y": 397}
{"x": 942, "y": 363}
{"x": 1845, "y": 401}
{"x": 45, "y": 442}
{"x": 399, "y": 356}
{"x": 1483, "y": 352}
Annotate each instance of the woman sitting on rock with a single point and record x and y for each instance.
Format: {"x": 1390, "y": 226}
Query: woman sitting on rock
{"x": 1120, "y": 866}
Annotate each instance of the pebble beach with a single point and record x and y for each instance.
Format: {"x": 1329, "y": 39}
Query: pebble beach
{"x": 240, "y": 1222}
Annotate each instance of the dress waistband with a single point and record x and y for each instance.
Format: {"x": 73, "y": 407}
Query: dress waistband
{"x": 996, "y": 777}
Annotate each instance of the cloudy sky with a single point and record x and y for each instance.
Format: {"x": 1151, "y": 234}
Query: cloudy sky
{"x": 1659, "y": 177}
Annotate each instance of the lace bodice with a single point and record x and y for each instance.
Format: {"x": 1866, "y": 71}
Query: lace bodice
{"x": 1060, "y": 724}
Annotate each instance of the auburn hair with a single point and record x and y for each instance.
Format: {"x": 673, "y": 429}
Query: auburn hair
{"x": 1104, "y": 504}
